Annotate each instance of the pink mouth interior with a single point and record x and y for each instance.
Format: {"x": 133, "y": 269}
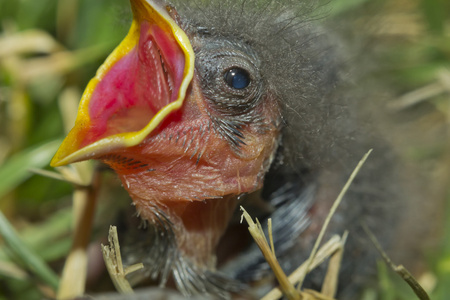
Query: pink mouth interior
{"x": 137, "y": 86}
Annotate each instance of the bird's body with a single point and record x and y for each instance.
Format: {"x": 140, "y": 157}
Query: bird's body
{"x": 267, "y": 118}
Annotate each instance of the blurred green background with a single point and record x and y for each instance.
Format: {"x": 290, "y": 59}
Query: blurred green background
{"x": 49, "y": 49}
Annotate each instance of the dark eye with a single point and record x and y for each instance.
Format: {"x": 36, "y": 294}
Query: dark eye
{"x": 237, "y": 78}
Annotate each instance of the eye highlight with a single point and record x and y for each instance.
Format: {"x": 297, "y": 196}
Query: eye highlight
{"x": 237, "y": 78}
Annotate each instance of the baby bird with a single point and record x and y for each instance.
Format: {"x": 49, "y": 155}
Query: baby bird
{"x": 206, "y": 105}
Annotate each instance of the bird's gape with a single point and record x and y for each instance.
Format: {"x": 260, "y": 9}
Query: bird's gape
{"x": 136, "y": 87}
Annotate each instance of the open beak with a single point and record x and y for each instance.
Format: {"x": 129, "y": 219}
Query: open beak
{"x": 144, "y": 80}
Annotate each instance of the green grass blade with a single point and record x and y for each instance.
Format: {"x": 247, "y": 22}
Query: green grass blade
{"x": 16, "y": 169}
{"x": 31, "y": 260}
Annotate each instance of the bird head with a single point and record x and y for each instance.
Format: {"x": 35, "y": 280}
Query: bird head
{"x": 186, "y": 121}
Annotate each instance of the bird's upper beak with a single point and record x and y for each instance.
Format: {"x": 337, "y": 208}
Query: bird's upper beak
{"x": 144, "y": 79}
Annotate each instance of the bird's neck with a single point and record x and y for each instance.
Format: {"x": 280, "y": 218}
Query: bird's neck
{"x": 197, "y": 225}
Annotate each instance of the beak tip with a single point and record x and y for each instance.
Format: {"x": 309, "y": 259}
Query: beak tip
{"x": 62, "y": 157}
{"x": 57, "y": 161}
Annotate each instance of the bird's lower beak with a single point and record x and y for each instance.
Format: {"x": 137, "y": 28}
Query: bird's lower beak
{"x": 141, "y": 82}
